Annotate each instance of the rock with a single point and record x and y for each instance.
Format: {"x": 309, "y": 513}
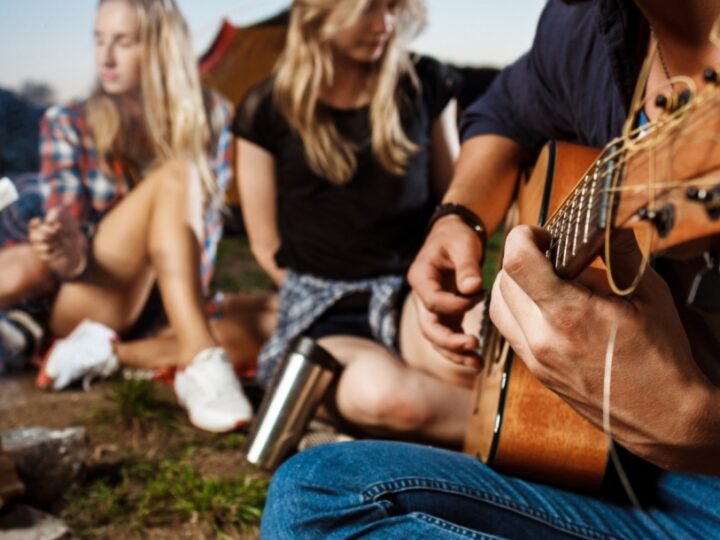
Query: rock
{"x": 47, "y": 461}
{"x": 10, "y": 484}
{"x": 22, "y": 522}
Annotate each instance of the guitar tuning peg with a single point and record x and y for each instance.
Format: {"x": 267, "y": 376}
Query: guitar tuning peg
{"x": 672, "y": 101}
{"x": 684, "y": 98}
{"x": 710, "y": 75}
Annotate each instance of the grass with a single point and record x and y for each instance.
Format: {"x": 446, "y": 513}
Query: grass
{"x": 145, "y": 494}
{"x": 237, "y": 269}
{"x": 135, "y": 403}
{"x": 158, "y": 474}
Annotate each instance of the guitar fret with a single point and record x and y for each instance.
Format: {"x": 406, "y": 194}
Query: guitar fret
{"x": 582, "y": 209}
{"x": 574, "y": 215}
{"x": 565, "y": 232}
{"x": 552, "y": 250}
{"x": 591, "y": 202}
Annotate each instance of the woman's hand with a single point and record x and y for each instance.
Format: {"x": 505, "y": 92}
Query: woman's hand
{"x": 662, "y": 407}
{"x": 59, "y": 242}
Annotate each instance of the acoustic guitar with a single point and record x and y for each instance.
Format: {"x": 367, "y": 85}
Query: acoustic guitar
{"x": 665, "y": 185}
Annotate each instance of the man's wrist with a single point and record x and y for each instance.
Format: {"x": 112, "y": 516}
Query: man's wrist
{"x": 467, "y": 216}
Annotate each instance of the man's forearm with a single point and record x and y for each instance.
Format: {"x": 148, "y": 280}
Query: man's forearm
{"x": 485, "y": 177}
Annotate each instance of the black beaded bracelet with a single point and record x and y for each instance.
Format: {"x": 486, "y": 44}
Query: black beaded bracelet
{"x": 468, "y": 216}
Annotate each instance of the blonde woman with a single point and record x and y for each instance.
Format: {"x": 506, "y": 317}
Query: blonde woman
{"x": 342, "y": 155}
{"x": 134, "y": 178}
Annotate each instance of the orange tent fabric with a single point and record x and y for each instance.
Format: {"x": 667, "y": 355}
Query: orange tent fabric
{"x": 240, "y": 57}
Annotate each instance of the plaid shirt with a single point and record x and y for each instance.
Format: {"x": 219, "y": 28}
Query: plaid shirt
{"x": 303, "y": 300}
{"x": 70, "y": 173}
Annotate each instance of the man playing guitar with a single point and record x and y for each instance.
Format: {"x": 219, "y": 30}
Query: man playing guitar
{"x": 576, "y": 84}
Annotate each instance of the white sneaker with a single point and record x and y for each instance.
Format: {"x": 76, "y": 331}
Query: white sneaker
{"x": 87, "y": 353}
{"x": 209, "y": 389}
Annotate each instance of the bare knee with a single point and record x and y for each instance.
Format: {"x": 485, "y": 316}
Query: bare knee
{"x": 387, "y": 401}
{"x": 24, "y": 275}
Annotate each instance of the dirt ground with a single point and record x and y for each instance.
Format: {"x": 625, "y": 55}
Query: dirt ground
{"x": 117, "y": 444}
{"x": 149, "y": 474}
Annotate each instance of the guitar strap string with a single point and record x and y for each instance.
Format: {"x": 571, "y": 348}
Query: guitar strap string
{"x": 631, "y": 141}
{"x": 614, "y": 456}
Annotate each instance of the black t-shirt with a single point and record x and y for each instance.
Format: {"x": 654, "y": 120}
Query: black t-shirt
{"x": 374, "y": 224}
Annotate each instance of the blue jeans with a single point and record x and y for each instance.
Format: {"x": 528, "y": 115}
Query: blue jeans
{"x": 386, "y": 490}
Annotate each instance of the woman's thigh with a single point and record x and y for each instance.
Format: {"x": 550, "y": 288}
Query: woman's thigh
{"x": 119, "y": 281}
{"x": 23, "y": 275}
{"x": 419, "y": 353}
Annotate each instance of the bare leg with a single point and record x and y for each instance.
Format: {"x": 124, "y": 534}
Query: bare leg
{"x": 419, "y": 353}
{"x": 153, "y": 233}
{"x": 384, "y": 396}
{"x": 424, "y": 397}
{"x": 247, "y": 323}
{"x": 24, "y": 276}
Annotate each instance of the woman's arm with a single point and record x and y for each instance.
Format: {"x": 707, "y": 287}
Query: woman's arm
{"x": 257, "y": 186}
{"x": 58, "y": 239}
{"x": 444, "y": 149}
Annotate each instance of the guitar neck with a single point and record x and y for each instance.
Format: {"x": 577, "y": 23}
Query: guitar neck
{"x": 577, "y": 227}
{"x": 669, "y": 176}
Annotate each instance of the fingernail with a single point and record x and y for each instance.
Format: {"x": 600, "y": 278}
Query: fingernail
{"x": 470, "y": 281}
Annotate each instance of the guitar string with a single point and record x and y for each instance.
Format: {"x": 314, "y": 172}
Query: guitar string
{"x": 630, "y": 145}
{"x": 590, "y": 209}
{"x": 607, "y": 374}
{"x": 627, "y": 147}
{"x": 677, "y": 119}
{"x": 588, "y": 178}
{"x": 614, "y": 456}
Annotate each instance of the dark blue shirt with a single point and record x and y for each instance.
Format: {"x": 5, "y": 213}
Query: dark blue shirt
{"x": 576, "y": 82}
{"x": 575, "y": 85}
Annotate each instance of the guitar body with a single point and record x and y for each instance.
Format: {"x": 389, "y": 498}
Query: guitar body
{"x": 517, "y": 424}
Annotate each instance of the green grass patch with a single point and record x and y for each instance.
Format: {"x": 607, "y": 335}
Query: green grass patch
{"x": 236, "y": 269}
{"x": 135, "y": 403}
{"x": 164, "y": 493}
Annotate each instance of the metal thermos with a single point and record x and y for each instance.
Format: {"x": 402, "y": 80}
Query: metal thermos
{"x": 300, "y": 383}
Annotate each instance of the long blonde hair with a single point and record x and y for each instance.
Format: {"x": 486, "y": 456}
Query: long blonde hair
{"x": 174, "y": 113}
{"x": 306, "y": 65}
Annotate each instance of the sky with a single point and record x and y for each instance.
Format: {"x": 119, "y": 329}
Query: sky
{"x": 50, "y": 41}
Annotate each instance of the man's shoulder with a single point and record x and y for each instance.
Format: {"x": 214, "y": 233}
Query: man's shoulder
{"x": 564, "y": 26}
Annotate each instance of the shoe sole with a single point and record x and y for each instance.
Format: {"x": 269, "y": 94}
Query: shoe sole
{"x": 239, "y": 424}
{"x": 43, "y": 380}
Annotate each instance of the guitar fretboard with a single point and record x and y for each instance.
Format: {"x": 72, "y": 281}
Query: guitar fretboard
{"x": 578, "y": 225}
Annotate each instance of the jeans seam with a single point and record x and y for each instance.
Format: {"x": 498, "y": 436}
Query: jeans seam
{"x": 375, "y": 491}
{"x": 452, "y": 527}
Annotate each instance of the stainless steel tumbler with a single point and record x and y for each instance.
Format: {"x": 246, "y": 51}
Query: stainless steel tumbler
{"x": 300, "y": 383}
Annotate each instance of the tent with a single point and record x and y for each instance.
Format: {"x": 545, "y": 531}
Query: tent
{"x": 241, "y": 56}
{"x": 238, "y": 58}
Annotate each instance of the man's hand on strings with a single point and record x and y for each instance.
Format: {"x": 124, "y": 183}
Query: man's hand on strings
{"x": 561, "y": 329}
